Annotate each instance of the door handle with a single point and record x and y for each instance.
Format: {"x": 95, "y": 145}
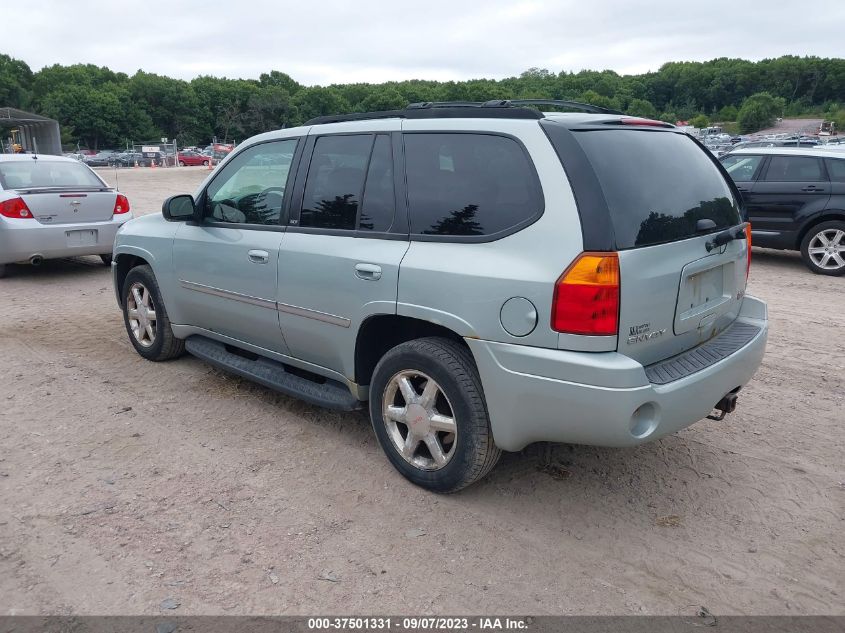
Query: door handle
{"x": 258, "y": 257}
{"x": 371, "y": 272}
{"x": 812, "y": 188}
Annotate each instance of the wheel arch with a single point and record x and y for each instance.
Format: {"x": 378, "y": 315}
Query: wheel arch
{"x": 124, "y": 262}
{"x": 382, "y": 332}
{"x": 825, "y": 216}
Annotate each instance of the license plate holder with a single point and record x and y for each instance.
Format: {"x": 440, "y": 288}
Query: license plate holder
{"x": 85, "y": 237}
{"x": 704, "y": 293}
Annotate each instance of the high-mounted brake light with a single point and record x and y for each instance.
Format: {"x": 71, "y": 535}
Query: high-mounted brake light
{"x": 639, "y": 121}
{"x": 586, "y": 299}
{"x": 121, "y": 204}
{"x": 15, "y": 208}
{"x": 748, "y": 245}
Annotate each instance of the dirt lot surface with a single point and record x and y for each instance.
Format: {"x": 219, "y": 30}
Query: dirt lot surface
{"x": 793, "y": 126}
{"x": 125, "y": 484}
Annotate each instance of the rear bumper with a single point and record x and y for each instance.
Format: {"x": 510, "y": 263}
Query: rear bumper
{"x": 603, "y": 399}
{"x": 20, "y": 240}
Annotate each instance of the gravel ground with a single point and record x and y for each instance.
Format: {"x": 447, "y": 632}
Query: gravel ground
{"x": 128, "y": 487}
{"x": 793, "y": 126}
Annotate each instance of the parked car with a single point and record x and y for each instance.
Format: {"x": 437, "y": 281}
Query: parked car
{"x": 126, "y": 159}
{"x": 193, "y": 159}
{"x": 795, "y": 200}
{"x": 52, "y": 206}
{"x": 100, "y": 159}
{"x": 480, "y": 277}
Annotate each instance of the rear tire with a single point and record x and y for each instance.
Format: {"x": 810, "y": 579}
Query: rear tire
{"x": 106, "y": 259}
{"x": 444, "y": 443}
{"x": 823, "y": 248}
{"x": 2, "y": 270}
{"x": 145, "y": 317}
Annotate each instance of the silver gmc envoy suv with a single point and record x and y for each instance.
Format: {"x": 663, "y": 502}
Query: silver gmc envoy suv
{"x": 480, "y": 275}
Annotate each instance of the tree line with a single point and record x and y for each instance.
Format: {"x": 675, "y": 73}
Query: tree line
{"x": 98, "y": 107}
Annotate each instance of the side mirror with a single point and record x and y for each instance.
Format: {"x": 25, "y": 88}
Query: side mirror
{"x": 178, "y": 208}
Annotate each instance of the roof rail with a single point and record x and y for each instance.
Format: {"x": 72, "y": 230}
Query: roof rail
{"x": 560, "y": 103}
{"x": 497, "y": 109}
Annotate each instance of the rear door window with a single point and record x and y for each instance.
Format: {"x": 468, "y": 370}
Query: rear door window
{"x": 379, "y": 202}
{"x": 469, "y": 185}
{"x": 741, "y": 167}
{"x": 656, "y": 185}
{"x": 335, "y": 181}
{"x": 794, "y": 169}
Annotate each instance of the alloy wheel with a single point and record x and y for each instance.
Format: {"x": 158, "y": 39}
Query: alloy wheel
{"x": 827, "y": 249}
{"x": 420, "y": 420}
{"x": 141, "y": 311}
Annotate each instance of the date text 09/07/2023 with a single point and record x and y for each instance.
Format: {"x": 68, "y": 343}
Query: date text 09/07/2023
{"x": 418, "y": 624}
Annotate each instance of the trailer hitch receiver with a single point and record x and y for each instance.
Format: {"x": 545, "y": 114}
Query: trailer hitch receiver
{"x": 724, "y": 406}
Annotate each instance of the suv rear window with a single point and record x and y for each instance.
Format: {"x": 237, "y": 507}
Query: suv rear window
{"x": 469, "y": 184}
{"x": 657, "y": 185}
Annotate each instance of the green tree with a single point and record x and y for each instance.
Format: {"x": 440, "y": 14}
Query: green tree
{"x": 728, "y": 113}
{"x": 15, "y": 82}
{"x": 150, "y": 106}
{"x": 387, "y": 100}
{"x": 94, "y": 113}
{"x": 641, "y": 107}
{"x": 170, "y": 103}
{"x": 699, "y": 121}
{"x": 316, "y": 101}
{"x": 269, "y": 109}
{"x": 758, "y": 111}
{"x": 279, "y": 79}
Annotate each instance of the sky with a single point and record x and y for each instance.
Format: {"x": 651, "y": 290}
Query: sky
{"x": 370, "y": 41}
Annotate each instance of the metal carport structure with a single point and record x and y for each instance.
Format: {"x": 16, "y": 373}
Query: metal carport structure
{"x": 37, "y": 133}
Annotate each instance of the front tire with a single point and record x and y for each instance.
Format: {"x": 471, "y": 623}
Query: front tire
{"x": 2, "y": 270}
{"x": 428, "y": 411}
{"x": 823, "y": 248}
{"x": 145, "y": 317}
{"x": 106, "y": 259}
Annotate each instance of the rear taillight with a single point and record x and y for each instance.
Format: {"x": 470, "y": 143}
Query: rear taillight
{"x": 121, "y": 205}
{"x": 586, "y": 299}
{"x": 748, "y": 245}
{"x": 15, "y": 208}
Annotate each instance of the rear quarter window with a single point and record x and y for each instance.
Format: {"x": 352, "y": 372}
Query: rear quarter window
{"x": 469, "y": 185}
{"x": 836, "y": 169}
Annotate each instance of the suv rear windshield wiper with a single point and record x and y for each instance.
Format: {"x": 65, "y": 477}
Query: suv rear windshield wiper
{"x": 728, "y": 235}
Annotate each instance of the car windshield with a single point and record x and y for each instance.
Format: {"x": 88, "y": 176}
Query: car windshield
{"x": 33, "y": 173}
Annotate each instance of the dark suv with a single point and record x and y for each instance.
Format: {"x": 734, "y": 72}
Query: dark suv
{"x": 795, "y": 200}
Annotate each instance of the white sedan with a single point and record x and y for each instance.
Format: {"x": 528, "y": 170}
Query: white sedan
{"x": 52, "y": 206}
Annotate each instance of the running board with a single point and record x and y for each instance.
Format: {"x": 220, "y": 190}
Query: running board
{"x": 329, "y": 394}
